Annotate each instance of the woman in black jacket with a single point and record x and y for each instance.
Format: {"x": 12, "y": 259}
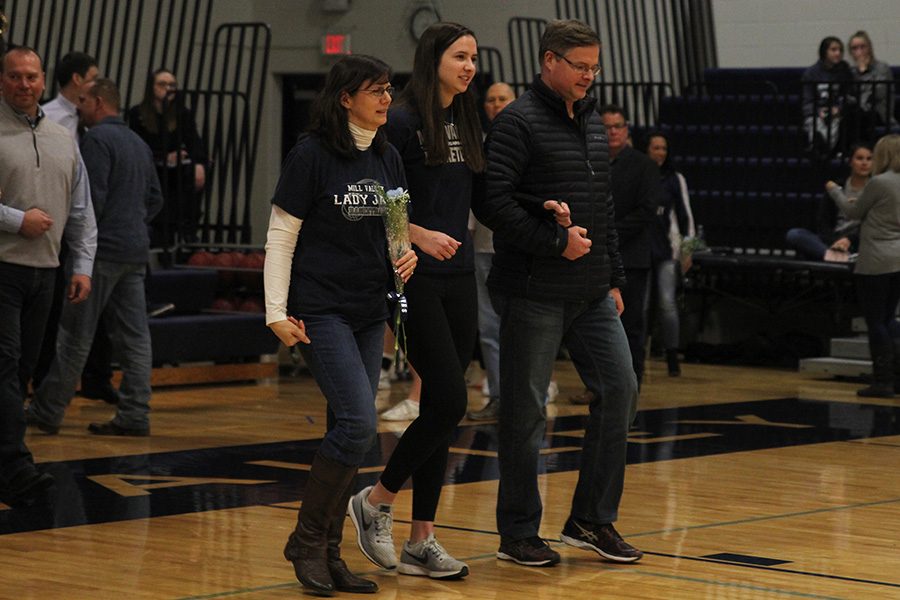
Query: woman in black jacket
{"x": 169, "y": 128}
{"x": 826, "y": 98}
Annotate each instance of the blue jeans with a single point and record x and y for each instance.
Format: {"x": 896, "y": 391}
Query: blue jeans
{"x": 26, "y": 294}
{"x": 530, "y": 335}
{"x": 345, "y": 360}
{"x": 807, "y": 244}
{"x": 117, "y": 296}
{"x": 488, "y": 324}
{"x": 667, "y": 273}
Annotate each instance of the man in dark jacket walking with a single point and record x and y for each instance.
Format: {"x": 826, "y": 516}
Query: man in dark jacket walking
{"x": 125, "y": 193}
{"x": 556, "y": 277}
{"x": 637, "y": 192}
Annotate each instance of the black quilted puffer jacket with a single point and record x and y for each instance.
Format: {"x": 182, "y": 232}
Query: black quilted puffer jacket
{"x": 535, "y": 152}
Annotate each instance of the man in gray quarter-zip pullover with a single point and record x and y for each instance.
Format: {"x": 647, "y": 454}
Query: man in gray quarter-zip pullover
{"x": 44, "y": 196}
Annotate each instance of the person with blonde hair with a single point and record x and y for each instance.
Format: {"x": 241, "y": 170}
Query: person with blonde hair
{"x": 878, "y": 267}
{"x": 876, "y": 95}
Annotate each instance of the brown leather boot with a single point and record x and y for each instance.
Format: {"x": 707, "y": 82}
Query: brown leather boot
{"x": 344, "y": 579}
{"x": 306, "y": 546}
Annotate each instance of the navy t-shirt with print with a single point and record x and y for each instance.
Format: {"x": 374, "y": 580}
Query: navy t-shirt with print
{"x": 440, "y": 195}
{"x": 340, "y": 264}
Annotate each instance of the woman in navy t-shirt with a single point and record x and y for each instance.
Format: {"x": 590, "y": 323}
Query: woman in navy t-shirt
{"x": 326, "y": 286}
{"x": 437, "y": 132}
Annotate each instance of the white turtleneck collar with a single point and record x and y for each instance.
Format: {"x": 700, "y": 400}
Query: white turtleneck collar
{"x": 361, "y": 137}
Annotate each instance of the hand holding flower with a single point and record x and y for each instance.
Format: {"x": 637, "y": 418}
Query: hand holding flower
{"x": 406, "y": 264}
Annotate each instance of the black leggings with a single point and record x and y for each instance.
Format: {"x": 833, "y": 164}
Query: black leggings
{"x": 440, "y": 330}
{"x": 878, "y": 296}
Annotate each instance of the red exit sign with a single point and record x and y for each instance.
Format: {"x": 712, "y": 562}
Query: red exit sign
{"x": 334, "y": 44}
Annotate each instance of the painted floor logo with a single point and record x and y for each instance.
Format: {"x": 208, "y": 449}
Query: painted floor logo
{"x": 141, "y": 486}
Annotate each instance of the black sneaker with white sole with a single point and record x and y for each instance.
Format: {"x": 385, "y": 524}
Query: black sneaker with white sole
{"x": 531, "y": 552}
{"x": 602, "y": 539}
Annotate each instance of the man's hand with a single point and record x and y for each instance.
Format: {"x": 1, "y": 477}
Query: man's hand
{"x": 79, "y": 288}
{"x": 560, "y": 212}
{"x": 35, "y": 223}
{"x": 578, "y": 245}
{"x": 617, "y": 296}
{"x": 290, "y": 331}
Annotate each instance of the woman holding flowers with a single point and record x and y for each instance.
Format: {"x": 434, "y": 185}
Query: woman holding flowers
{"x": 437, "y": 132}
{"x": 327, "y": 276}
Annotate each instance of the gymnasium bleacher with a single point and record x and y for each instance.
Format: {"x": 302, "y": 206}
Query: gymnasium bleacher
{"x": 737, "y": 138}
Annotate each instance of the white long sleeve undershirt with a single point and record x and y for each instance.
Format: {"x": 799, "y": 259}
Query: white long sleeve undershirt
{"x": 281, "y": 240}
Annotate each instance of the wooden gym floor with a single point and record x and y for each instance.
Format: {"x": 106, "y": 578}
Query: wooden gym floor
{"x": 742, "y": 483}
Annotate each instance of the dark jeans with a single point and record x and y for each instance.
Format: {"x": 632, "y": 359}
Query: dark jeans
{"x": 878, "y": 298}
{"x": 807, "y": 244}
{"x": 530, "y": 335}
{"x": 441, "y": 331}
{"x": 345, "y": 360}
{"x": 26, "y": 294}
{"x": 636, "y": 297}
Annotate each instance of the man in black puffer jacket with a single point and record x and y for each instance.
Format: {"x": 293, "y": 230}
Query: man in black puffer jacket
{"x": 556, "y": 277}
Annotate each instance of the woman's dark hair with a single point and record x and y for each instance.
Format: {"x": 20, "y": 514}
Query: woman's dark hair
{"x": 825, "y": 43}
{"x": 329, "y": 121}
{"x": 666, "y": 167}
{"x": 147, "y": 110}
{"x": 423, "y": 95}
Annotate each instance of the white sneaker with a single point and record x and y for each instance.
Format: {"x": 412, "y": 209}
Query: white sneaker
{"x": 374, "y": 529}
{"x": 429, "y": 559}
{"x": 384, "y": 380}
{"x": 402, "y": 411}
{"x": 552, "y": 392}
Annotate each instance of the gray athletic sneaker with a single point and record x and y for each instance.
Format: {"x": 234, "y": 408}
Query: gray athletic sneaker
{"x": 373, "y": 529}
{"x": 428, "y": 558}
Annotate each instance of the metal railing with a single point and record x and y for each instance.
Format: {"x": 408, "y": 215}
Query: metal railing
{"x": 222, "y": 74}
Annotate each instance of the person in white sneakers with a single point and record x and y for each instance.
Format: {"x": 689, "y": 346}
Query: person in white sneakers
{"x": 438, "y": 134}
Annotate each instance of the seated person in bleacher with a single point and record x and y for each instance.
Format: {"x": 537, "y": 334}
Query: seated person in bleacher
{"x": 838, "y": 234}
{"x": 825, "y": 97}
{"x": 876, "y": 101}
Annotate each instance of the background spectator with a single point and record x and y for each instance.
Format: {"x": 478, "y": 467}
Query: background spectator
{"x": 674, "y": 222}
{"x": 825, "y": 97}
{"x": 878, "y": 267}
{"x": 838, "y": 234}
{"x": 876, "y": 100}
{"x": 168, "y": 127}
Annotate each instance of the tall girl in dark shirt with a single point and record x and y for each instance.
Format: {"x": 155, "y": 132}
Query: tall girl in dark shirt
{"x": 438, "y": 134}
{"x": 327, "y": 287}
